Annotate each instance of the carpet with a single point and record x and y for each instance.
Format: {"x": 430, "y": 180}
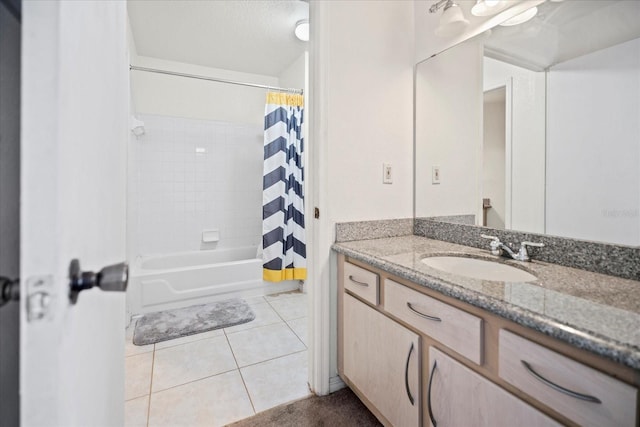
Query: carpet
{"x": 342, "y": 408}
{"x": 170, "y": 324}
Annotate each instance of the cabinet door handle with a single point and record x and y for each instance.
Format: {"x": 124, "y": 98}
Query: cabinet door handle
{"x": 426, "y": 316}
{"x": 433, "y": 371}
{"x": 556, "y": 387}
{"x": 406, "y": 375}
{"x": 357, "y": 282}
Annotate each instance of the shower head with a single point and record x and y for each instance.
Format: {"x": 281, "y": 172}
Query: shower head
{"x": 137, "y": 126}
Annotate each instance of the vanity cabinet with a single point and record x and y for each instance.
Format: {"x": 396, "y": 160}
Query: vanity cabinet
{"x": 457, "y": 396}
{"x": 416, "y": 357}
{"x": 382, "y": 359}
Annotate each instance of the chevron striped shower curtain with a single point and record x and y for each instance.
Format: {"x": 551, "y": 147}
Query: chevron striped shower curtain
{"x": 283, "y": 234}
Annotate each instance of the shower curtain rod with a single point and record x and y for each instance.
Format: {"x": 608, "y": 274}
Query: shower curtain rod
{"x": 213, "y": 79}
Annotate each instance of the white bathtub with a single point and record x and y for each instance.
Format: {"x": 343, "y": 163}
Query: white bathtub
{"x": 161, "y": 282}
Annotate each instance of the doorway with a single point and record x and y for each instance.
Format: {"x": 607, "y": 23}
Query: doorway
{"x": 196, "y": 160}
{"x": 494, "y": 158}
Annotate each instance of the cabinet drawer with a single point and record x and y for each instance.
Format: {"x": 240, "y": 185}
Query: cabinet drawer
{"x": 565, "y": 385}
{"x": 457, "y": 329}
{"x": 361, "y": 282}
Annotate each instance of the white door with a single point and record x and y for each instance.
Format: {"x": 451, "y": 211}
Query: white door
{"x": 73, "y": 160}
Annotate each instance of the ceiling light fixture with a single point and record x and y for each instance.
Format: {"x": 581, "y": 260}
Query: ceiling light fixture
{"x": 452, "y": 21}
{"x": 521, "y": 18}
{"x": 487, "y": 7}
{"x": 302, "y": 30}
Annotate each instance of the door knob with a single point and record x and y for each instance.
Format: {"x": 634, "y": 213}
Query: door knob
{"x": 9, "y": 290}
{"x": 112, "y": 278}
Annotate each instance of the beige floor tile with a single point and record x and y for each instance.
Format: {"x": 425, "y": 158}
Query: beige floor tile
{"x": 214, "y": 401}
{"x": 254, "y": 300}
{"x": 129, "y": 348}
{"x": 277, "y": 381}
{"x": 293, "y": 307}
{"x": 135, "y": 412}
{"x": 284, "y": 295}
{"x": 299, "y": 327}
{"x": 190, "y": 338}
{"x": 265, "y": 315}
{"x": 264, "y": 343}
{"x": 137, "y": 375}
{"x": 192, "y": 361}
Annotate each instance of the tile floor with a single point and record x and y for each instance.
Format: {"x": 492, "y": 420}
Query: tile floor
{"x": 221, "y": 376}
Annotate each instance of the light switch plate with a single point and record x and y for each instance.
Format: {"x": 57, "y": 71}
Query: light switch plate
{"x": 435, "y": 175}
{"x": 387, "y": 173}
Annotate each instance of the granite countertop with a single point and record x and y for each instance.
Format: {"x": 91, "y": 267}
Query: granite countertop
{"x": 591, "y": 311}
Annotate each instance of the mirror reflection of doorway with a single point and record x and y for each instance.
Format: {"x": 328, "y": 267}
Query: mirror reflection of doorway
{"x": 494, "y": 158}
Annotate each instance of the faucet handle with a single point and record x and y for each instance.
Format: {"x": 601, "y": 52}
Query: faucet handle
{"x": 494, "y": 245}
{"x": 523, "y": 254}
{"x": 534, "y": 244}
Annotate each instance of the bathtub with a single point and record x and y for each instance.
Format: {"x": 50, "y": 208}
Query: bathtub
{"x": 161, "y": 282}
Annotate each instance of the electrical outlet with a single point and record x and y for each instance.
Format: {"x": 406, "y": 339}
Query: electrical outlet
{"x": 435, "y": 175}
{"x": 387, "y": 173}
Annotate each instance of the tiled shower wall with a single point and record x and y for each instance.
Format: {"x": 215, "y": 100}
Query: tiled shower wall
{"x": 186, "y": 176}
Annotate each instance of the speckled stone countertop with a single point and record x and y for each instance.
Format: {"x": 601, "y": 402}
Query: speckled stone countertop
{"x": 591, "y": 311}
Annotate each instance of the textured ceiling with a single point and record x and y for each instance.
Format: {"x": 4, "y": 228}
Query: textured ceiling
{"x": 253, "y": 36}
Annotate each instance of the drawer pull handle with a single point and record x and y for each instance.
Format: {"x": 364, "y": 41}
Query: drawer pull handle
{"x": 406, "y": 375}
{"x": 556, "y": 387}
{"x": 426, "y": 316}
{"x": 433, "y": 371}
{"x": 357, "y": 282}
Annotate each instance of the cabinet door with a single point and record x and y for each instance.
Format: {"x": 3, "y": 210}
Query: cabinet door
{"x": 382, "y": 359}
{"x": 458, "y": 396}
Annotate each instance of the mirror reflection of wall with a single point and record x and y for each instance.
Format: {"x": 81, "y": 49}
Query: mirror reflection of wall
{"x": 449, "y": 132}
{"x": 567, "y": 86}
{"x": 593, "y": 146}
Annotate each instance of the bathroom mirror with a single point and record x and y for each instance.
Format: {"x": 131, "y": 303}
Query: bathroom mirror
{"x": 536, "y": 127}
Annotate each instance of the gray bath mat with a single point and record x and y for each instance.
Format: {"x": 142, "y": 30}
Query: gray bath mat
{"x": 167, "y": 325}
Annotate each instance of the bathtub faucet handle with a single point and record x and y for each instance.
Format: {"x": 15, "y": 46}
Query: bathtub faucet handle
{"x": 111, "y": 278}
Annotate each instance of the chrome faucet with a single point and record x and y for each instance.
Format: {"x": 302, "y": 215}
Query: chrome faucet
{"x": 498, "y": 248}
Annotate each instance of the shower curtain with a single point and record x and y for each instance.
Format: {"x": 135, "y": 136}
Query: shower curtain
{"x": 283, "y": 233}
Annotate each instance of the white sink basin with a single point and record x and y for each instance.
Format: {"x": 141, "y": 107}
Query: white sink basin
{"x": 478, "y": 269}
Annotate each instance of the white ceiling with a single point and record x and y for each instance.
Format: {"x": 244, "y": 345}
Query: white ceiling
{"x": 252, "y": 36}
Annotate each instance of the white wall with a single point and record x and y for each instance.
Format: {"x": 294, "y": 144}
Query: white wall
{"x": 593, "y": 146}
{"x": 176, "y": 193}
{"x": 199, "y": 99}
{"x": 294, "y": 76}
{"x": 362, "y": 108}
{"x": 493, "y": 160}
{"x": 449, "y": 131}
{"x": 527, "y": 153}
{"x": 370, "y": 109}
